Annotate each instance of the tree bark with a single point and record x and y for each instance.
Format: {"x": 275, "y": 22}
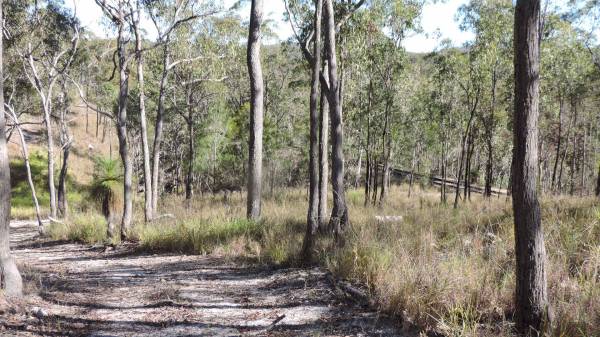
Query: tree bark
{"x": 122, "y": 130}
{"x": 255, "y": 142}
{"x": 597, "y": 192}
{"x": 50, "y": 154}
{"x": 65, "y": 142}
{"x": 10, "y": 278}
{"x": 387, "y": 152}
{"x": 323, "y": 158}
{"x": 532, "y": 308}
{"x": 559, "y": 140}
{"x": 189, "y": 180}
{"x": 313, "y": 168}
{"x": 148, "y": 209}
{"x": 339, "y": 213}
{"x": 158, "y": 127}
{"x": 463, "y": 151}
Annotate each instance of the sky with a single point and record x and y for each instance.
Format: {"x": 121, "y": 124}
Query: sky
{"x": 438, "y": 22}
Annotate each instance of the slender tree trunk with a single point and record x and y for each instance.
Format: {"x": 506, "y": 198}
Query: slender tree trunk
{"x": 10, "y": 279}
{"x": 25, "y": 153}
{"x": 443, "y": 197}
{"x": 558, "y": 141}
{"x": 463, "y": 151}
{"x": 189, "y": 180}
{"x": 489, "y": 136}
{"x": 148, "y": 207}
{"x": 375, "y": 179}
{"x": 574, "y": 150}
{"x": 583, "y": 189}
{"x": 387, "y": 151}
{"x": 339, "y": 214}
{"x": 50, "y": 153}
{"x": 255, "y": 144}
{"x": 122, "y": 132}
{"x": 532, "y": 306}
{"x": 358, "y": 169}
{"x": 158, "y": 127}
{"x": 369, "y": 172}
{"x": 412, "y": 167}
{"x": 565, "y": 151}
{"x": 62, "y": 182}
{"x": 313, "y": 168}
{"x": 597, "y": 192}
{"x": 323, "y": 156}
{"x": 65, "y": 142}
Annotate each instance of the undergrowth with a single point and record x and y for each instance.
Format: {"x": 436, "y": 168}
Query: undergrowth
{"x": 440, "y": 269}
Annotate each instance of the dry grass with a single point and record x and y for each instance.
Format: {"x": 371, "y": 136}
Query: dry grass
{"x": 441, "y": 269}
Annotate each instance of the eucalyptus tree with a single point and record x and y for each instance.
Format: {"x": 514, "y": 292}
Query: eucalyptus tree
{"x": 313, "y": 168}
{"x": 532, "y": 307}
{"x": 302, "y": 23}
{"x": 136, "y": 14}
{"x": 10, "y": 278}
{"x": 118, "y": 11}
{"x": 255, "y": 145}
{"x": 168, "y": 16}
{"x": 47, "y": 52}
{"x": 491, "y": 21}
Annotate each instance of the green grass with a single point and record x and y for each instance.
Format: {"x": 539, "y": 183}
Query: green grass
{"x": 88, "y": 228}
{"x": 21, "y": 201}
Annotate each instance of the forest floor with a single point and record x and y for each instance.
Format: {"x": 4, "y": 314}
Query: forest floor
{"x": 78, "y": 290}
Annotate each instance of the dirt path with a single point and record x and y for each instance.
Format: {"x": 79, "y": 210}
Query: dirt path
{"x": 83, "y": 291}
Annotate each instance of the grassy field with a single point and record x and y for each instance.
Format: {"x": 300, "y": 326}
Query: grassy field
{"x": 441, "y": 269}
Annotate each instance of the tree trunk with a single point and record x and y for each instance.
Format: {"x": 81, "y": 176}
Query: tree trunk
{"x": 412, "y": 167}
{"x": 339, "y": 214}
{"x": 10, "y": 279}
{"x": 255, "y": 143}
{"x": 62, "y": 182}
{"x": 122, "y": 132}
{"x": 358, "y": 169}
{"x": 25, "y": 153}
{"x": 148, "y": 209}
{"x": 489, "y": 136}
{"x": 323, "y": 158}
{"x": 559, "y": 141}
{"x": 65, "y": 142}
{"x": 574, "y": 150}
{"x": 564, "y": 154}
{"x": 50, "y": 153}
{"x": 597, "y": 192}
{"x": 532, "y": 306}
{"x": 158, "y": 127}
{"x": 189, "y": 180}
{"x": 369, "y": 171}
{"x": 463, "y": 151}
{"x": 387, "y": 151}
{"x": 313, "y": 168}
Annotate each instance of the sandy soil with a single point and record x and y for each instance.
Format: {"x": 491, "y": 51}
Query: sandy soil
{"x": 78, "y": 290}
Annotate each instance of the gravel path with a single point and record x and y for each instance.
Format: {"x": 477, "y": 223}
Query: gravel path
{"x": 78, "y": 290}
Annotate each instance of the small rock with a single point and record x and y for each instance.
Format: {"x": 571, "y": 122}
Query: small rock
{"x": 39, "y": 312}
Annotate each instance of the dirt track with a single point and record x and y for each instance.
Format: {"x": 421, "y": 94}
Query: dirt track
{"x": 78, "y": 290}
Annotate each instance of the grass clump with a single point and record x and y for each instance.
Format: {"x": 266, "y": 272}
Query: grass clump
{"x": 88, "y": 228}
{"x": 196, "y": 237}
